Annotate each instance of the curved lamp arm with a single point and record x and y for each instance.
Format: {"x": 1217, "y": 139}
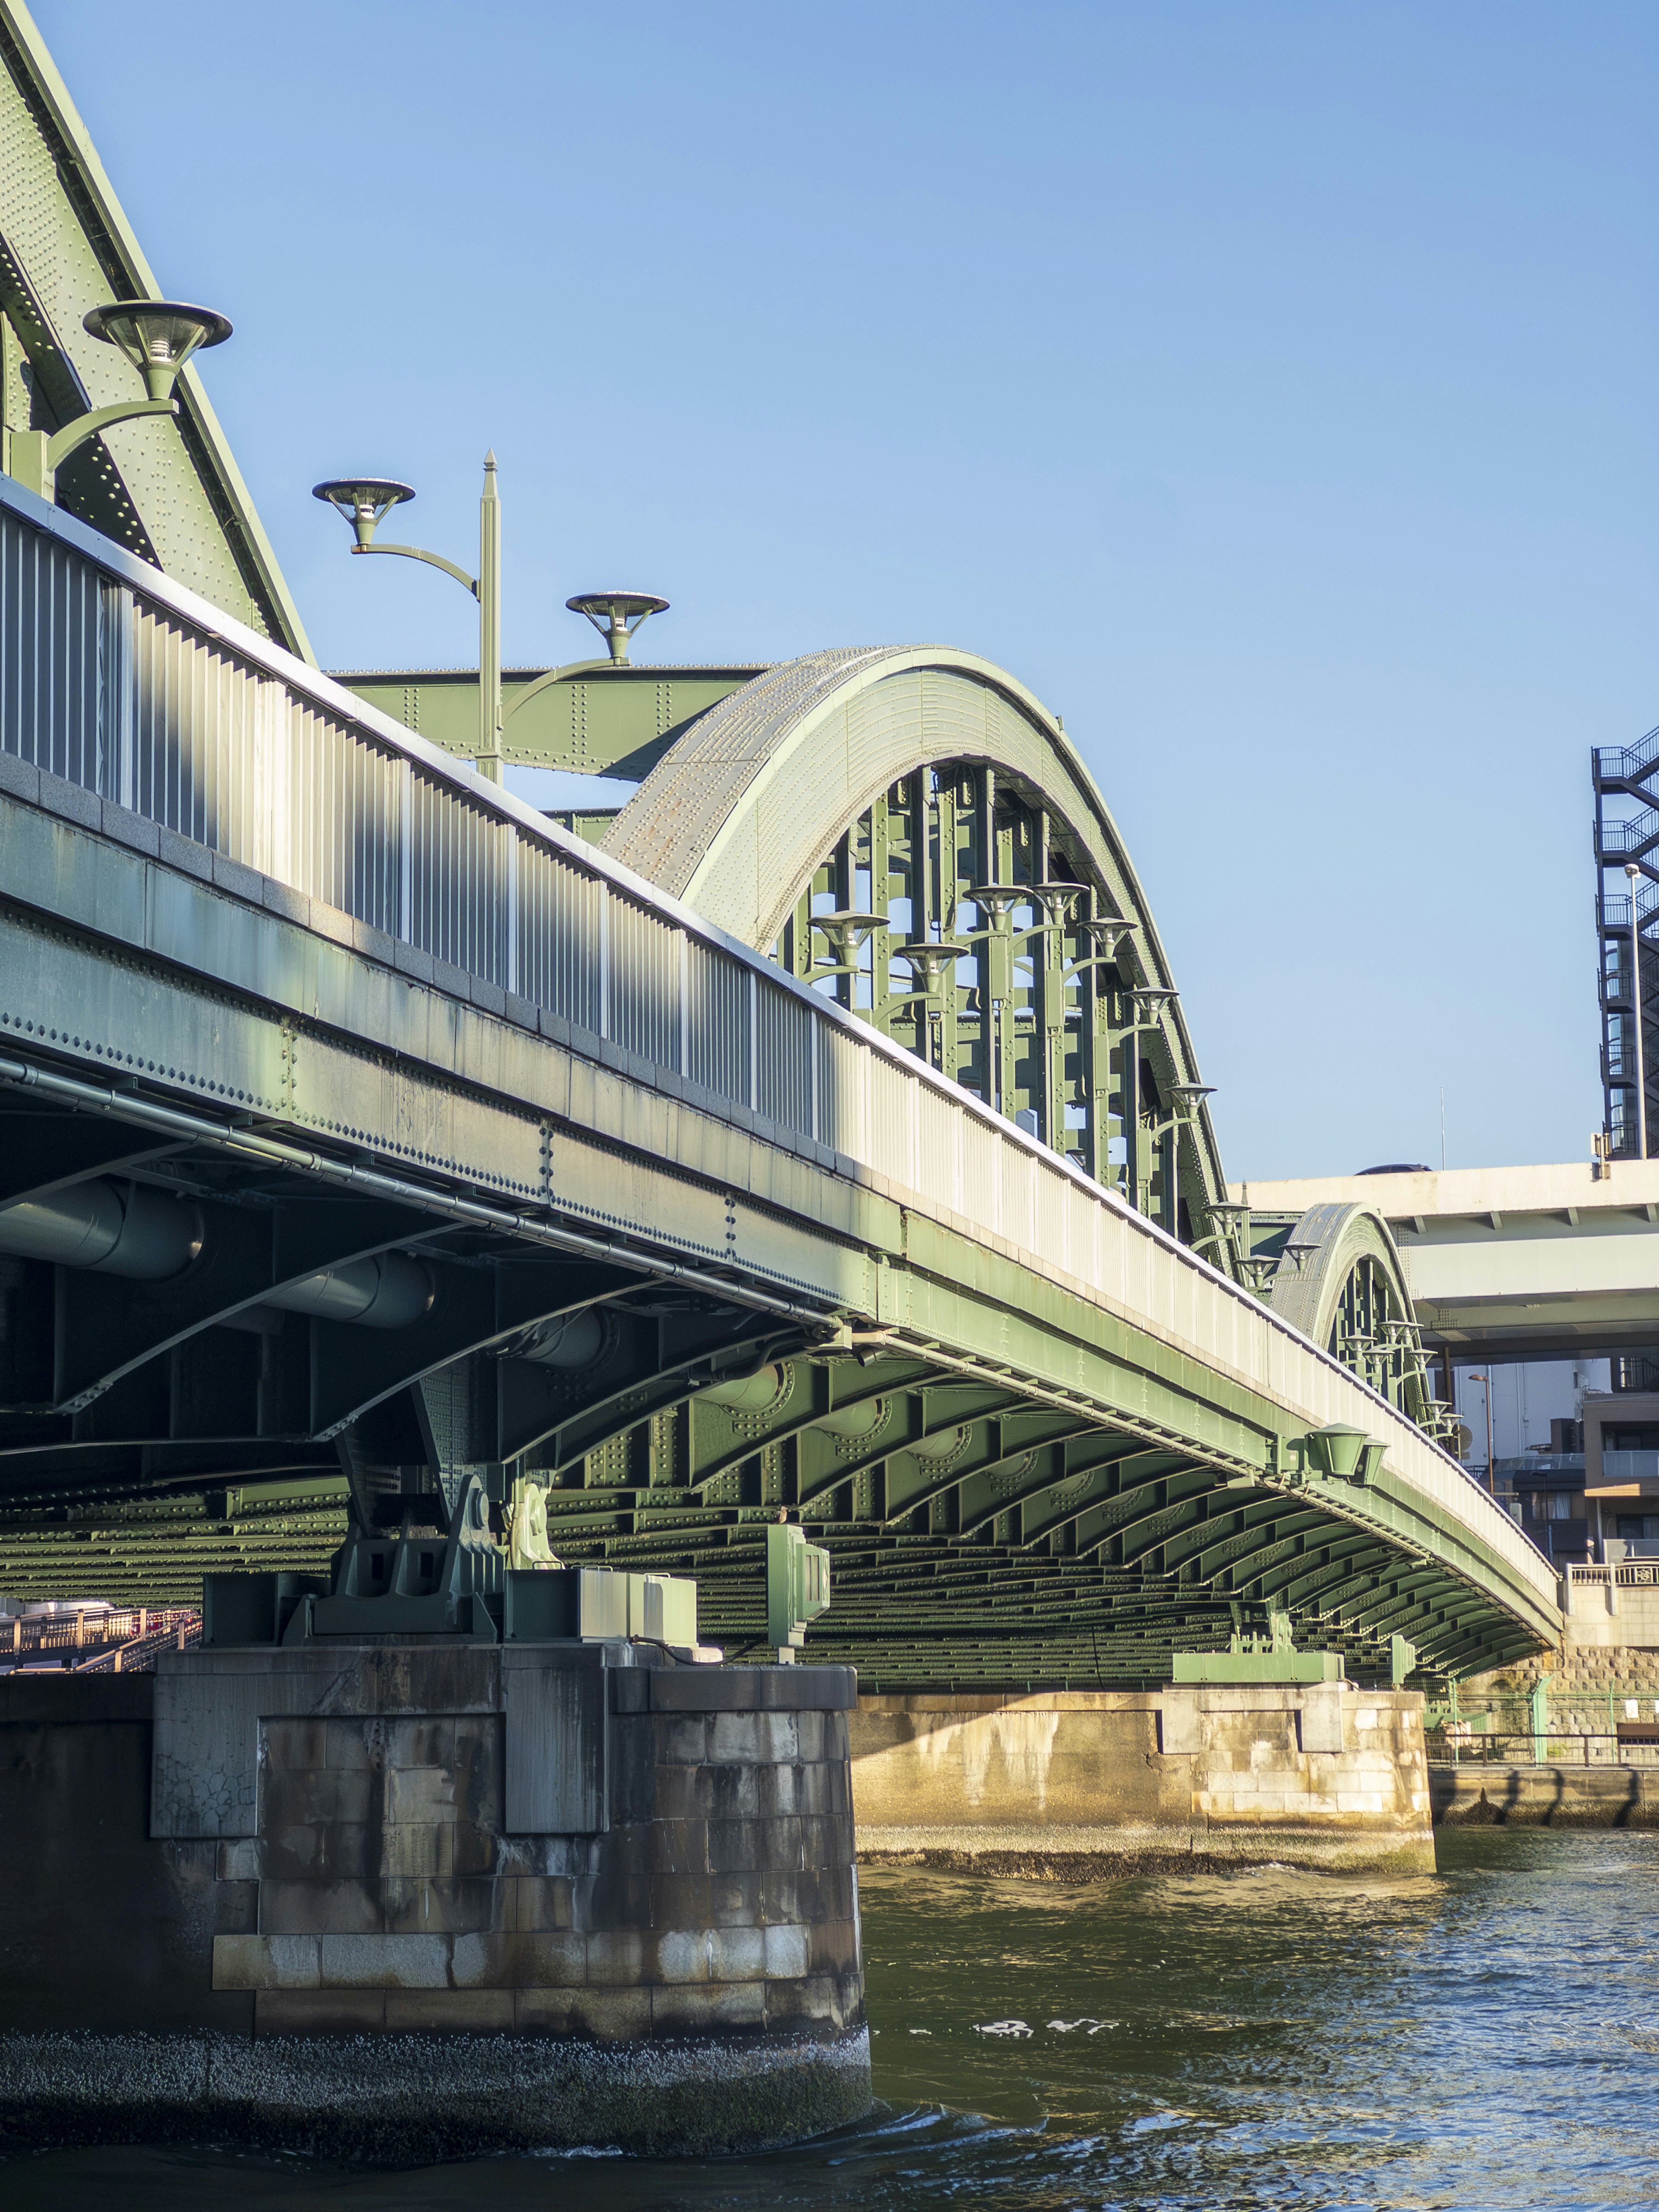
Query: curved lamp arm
{"x": 545, "y": 681}
{"x": 37, "y": 456}
{"x": 437, "y": 560}
{"x": 60, "y": 446}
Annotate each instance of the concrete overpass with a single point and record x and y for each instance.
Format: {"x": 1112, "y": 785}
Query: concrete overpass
{"x": 1510, "y": 1263}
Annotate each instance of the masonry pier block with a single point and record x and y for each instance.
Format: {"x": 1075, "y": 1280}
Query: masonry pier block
{"x": 1079, "y": 1785}
{"x": 402, "y": 1900}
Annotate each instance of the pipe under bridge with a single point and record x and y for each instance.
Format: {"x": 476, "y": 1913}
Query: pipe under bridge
{"x": 828, "y": 1144}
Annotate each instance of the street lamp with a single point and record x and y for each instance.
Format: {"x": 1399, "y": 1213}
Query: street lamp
{"x": 1492, "y": 1480}
{"x": 158, "y": 337}
{"x": 1635, "y": 875}
{"x": 362, "y": 502}
{"x": 616, "y": 616}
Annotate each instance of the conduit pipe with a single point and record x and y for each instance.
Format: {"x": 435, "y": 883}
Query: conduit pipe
{"x": 388, "y": 1291}
{"x": 568, "y": 1342}
{"x": 110, "y": 1228}
{"x": 131, "y": 1229}
{"x": 127, "y": 1106}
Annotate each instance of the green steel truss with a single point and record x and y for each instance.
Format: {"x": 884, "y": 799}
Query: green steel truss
{"x": 958, "y": 918}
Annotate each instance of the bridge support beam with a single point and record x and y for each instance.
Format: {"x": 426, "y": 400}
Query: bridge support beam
{"x": 411, "y": 1900}
{"x": 1078, "y": 1784}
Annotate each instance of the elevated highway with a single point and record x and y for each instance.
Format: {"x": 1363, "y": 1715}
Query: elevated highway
{"x": 1556, "y": 1263}
{"x": 363, "y": 1131}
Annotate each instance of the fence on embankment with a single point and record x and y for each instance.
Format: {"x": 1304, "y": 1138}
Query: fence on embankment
{"x": 1607, "y": 1726}
{"x": 86, "y": 1642}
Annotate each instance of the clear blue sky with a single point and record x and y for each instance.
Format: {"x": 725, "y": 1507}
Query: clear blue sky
{"x": 1271, "y": 386}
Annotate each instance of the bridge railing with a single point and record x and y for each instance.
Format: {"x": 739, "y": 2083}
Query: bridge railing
{"x": 122, "y": 681}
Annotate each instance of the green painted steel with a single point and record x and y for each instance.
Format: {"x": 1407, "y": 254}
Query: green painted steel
{"x": 1263, "y": 1667}
{"x": 1013, "y": 1483}
{"x": 591, "y": 717}
{"x": 911, "y": 828}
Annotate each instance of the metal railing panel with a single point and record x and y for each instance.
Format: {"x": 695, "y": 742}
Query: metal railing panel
{"x": 783, "y": 1057}
{"x": 459, "y": 907}
{"x": 346, "y": 826}
{"x": 53, "y": 648}
{"x": 189, "y": 742}
{"x": 645, "y": 984}
{"x": 719, "y": 1047}
{"x": 557, "y": 916}
{"x": 892, "y": 1129}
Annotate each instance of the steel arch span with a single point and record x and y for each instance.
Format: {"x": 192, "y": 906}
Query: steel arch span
{"x": 909, "y": 829}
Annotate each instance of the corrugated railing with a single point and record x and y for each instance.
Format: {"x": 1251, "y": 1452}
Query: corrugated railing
{"x": 123, "y": 682}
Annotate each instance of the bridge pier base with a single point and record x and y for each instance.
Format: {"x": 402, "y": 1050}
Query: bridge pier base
{"x": 407, "y": 1900}
{"x": 1079, "y": 1785}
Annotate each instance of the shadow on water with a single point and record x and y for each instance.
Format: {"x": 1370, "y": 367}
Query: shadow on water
{"x": 1484, "y": 2037}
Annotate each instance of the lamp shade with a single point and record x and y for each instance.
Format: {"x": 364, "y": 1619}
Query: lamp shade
{"x": 362, "y": 500}
{"x": 1338, "y": 1450}
{"x": 616, "y": 616}
{"x": 158, "y": 337}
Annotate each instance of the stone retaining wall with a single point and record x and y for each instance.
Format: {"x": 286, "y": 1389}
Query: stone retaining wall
{"x": 1074, "y": 1784}
{"x": 1477, "y": 1795}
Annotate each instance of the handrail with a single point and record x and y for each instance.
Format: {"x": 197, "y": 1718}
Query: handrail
{"x": 1628, "y": 760}
{"x": 1634, "y": 835}
{"x": 144, "y": 694}
{"x": 110, "y": 1639}
{"x": 1629, "y": 1574}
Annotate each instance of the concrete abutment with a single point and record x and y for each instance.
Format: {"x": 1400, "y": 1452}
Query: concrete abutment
{"x": 1085, "y": 1784}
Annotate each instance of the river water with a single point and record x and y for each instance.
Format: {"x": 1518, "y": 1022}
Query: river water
{"x": 1484, "y": 2037}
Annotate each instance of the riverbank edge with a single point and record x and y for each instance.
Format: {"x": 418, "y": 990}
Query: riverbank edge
{"x": 1543, "y": 1797}
{"x": 409, "y": 2100}
{"x": 1055, "y": 1855}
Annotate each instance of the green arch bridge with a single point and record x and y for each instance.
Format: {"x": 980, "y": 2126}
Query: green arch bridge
{"x": 826, "y": 1141}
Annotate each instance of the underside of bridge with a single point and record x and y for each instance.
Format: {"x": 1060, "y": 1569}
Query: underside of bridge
{"x": 205, "y": 1423}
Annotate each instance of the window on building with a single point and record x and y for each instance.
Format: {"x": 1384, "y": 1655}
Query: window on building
{"x": 1626, "y": 1439}
{"x": 1633, "y": 1526}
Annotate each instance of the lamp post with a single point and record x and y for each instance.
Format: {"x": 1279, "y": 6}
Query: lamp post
{"x": 158, "y": 337}
{"x": 362, "y": 500}
{"x": 1634, "y": 873}
{"x": 1492, "y": 1480}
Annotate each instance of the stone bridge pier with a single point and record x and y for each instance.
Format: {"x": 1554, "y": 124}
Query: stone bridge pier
{"x": 406, "y": 1900}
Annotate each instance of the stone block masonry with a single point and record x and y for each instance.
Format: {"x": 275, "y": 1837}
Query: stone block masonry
{"x": 349, "y": 1844}
{"x": 1079, "y": 1785}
